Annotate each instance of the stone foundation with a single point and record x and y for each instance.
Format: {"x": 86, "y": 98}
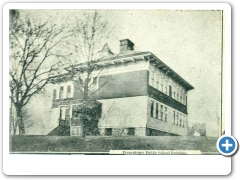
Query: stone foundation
{"x": 76, "y": 131}
{"x": 101, "y": 131}
{"x": 138, "y": 131}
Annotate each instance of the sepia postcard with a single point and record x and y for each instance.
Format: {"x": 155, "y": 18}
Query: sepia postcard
{"x": 101, "y": 80}
{"x": 116, "y": 81}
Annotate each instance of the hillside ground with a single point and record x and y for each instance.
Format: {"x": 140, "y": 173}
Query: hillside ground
{"x": 73, "y": 144}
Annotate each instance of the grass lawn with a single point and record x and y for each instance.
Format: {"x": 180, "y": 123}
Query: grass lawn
{"x": 66, "y": 144}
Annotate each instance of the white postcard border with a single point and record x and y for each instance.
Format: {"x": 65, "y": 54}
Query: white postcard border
{"x": 20, "y": 164}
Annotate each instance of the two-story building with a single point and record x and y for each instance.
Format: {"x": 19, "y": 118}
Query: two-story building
{"x": 138, "y": 95}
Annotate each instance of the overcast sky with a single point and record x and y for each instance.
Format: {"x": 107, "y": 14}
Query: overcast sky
{"x": 187, "y": 41}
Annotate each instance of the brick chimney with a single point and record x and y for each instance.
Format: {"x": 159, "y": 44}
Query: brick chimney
{"x": 126, "y": 45}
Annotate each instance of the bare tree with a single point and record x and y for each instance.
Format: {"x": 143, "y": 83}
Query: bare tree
{"x": 35, "y": 53}
{"x": 26, "y": 116}
{"x": 91, "y": 32}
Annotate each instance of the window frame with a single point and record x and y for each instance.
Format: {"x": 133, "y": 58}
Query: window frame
{"x": 61, "y": 92}
{"x": 170, "y": 90}
{"x": 166, "y": 114}
{"x": 131, "y": 134}
{"x": 152, "y": 109}
{"x": 69, "y": 94}
{"x": 107, "y": 132}
{"x": 157, "y": 81}
{"x": 174, "y": 118}
{"x": 177, "y": 118}
{"x": 54, "y": 94}
{"x": 156, "y": 110}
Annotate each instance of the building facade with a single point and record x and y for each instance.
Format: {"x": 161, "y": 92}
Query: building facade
{"x": 138, "y": 95}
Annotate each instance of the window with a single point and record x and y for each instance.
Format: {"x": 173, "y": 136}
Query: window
{"x": 165, "y": 113}
{"x": 161, "y": 118}
{"x": 108, "y": 131}
{"x": 177, "y": 94}
{"x": 157, "y": 81}
{"x": 162, "y": 87}
{"x": 151, "y": 78}
{"x": 54, "y": 94}
{"x": 61, "y": 92}
{"x": 131, "y": 131}
{"x": 174, "y": 118}
{"x": 166, "y": 87}
{"x": 69, "y": 91}
{"x": 67, "y": 114}
{"x": 157, "y": 110}
{"x": 152, "y": 107}
{"x": 174, "y": 95}
{"x": 157, "y": 85}
{"x": 180, "y": 119}
{"x": 170, "y": 90}
{"x": 180, "y": 96}
{"x": 161, "y": 112}
{"x": 177, "y": 118}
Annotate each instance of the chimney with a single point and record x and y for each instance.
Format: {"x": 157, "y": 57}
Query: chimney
{"x": 126, "y": 45}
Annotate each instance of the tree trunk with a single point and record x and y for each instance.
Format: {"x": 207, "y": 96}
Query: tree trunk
{"x": 14, "y": 131}
{"x": 20, "y": 122}
{"x": 21, "y": 127}
{"x": 85, "y": 102}
{"x": 13, "y": 124}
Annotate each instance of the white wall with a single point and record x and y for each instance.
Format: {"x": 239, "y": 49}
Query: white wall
{"x": 166, "y": 127}
{"x": 124, "y": 112}
{"x": 44, "y": 117}
{"x": 122, "y": 68}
